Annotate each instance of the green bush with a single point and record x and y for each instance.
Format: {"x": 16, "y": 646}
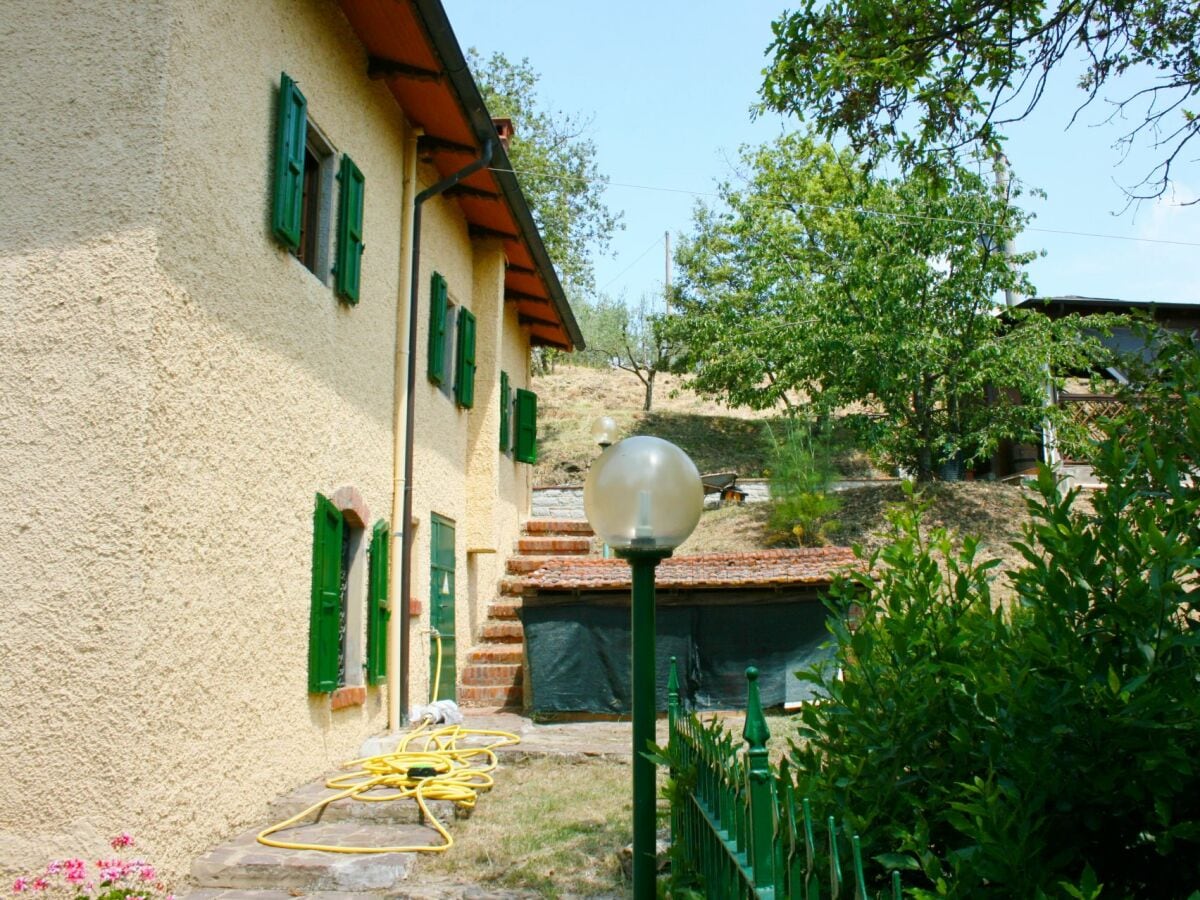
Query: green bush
{"x": 801, "y": 466}
{"x": 1051, "y": 749}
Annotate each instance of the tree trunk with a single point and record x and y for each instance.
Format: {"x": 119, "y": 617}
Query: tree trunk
{"x": 649, "y": 382}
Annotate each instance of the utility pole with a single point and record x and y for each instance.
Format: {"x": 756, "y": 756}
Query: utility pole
{"x": 667, "y": 268}
{"x": 1011, "y": 298}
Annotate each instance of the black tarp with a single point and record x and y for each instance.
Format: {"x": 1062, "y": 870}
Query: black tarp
{"x": 578, "y": 654}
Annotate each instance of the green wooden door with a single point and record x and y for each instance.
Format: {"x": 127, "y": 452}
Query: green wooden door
{"x": 441, "y": 605}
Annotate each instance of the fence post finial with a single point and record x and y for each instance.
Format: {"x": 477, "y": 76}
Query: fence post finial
{"x": 761, "y": 786}
{"x": 755, "y": 731}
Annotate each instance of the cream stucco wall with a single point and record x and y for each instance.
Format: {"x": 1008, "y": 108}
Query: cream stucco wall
{"x": 175, "y": 387}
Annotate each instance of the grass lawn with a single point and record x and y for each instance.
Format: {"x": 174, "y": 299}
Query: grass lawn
{"x": 550, "y": 826}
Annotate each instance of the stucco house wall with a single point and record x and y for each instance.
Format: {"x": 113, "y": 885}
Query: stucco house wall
{"x": 175, "y": 388}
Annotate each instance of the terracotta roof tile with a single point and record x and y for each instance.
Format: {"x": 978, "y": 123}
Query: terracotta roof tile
{"x": 762, "y": 568}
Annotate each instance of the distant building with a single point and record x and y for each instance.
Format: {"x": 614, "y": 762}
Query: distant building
{"x": 1084, "y": 404}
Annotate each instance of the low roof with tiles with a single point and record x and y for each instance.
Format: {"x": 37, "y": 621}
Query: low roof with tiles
{"x": 762, "y": 568}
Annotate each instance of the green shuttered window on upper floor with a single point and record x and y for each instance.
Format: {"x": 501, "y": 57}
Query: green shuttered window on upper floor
{"x": 436, "y": 356}
{"x": 377, "y": 603}
{"x": 525, "y": 449}
{"x": 324, "y": 631}
{"x": 505, "y": 405}
{"x": 464, "y": 375}
{"x": 290, "y": 141}
{"x": 348, "y": 267}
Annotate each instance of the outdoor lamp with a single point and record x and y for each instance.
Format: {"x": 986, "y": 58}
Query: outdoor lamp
{"x": 643, "y": 494}
{"x": 604, "y": 431}
{"x": 643, "y": 498}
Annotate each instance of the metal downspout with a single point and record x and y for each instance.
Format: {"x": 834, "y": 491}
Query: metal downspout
{"x": 406, "y": 560}
{"x": 394, "y": 673}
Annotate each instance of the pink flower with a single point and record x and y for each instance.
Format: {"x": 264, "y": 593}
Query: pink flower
{"x": 20, "y": 885}
{"x": 74, "y": 870}
{"x": 54, "y": 867}
{"x": 124, "y": 839}
{"x": 40, "y": 884}
{"x": 146, "y": 873}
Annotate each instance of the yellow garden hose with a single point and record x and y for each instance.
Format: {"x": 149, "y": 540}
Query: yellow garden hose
{"x": 427, "y": 764}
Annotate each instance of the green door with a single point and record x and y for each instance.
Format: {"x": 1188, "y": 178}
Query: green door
{"x": 441, "y": 605}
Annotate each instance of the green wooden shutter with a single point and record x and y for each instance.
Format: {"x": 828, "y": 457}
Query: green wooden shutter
{"x": 350, "y": 246}
{"x": 464, "y": 377}
{"x": 324, "y": 641}
{"x": 291, "y": 134}
{"x": 377, "y": 598}
{"x": 437, "y": 328}
{"x": 526, "y": 448}
{"x": 505, "y": 401}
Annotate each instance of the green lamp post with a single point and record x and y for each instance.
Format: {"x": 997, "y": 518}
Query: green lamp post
{"x": 643, "y": 498}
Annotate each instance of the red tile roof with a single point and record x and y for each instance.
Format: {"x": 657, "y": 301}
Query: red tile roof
{"x": 762, "y": 568}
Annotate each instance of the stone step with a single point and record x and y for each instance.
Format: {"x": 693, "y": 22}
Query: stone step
{"x": 558, "y": 526}
{"x": 491, "y": 697}
{"x": 500, "y": 631}
{"x": 381, "y": 812}
{"x": 512, "y": 653}
{"x": 492, "y": 675}
{"x": 246, "y": 864}
{"x": 559, "y": 546}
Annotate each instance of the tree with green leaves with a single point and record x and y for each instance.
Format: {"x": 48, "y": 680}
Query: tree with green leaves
{"x": 1049, "y": 747}
{"x": 631, "y": 338}
{"x": 820, "y": 282}
{"x": 556, "y": 166}
{"x": 935, "y": 75}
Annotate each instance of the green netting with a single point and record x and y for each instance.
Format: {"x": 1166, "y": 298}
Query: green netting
{"x": 578, "y": 655}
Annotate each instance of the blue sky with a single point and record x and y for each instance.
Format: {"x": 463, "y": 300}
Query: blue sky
{"x": 668, "y": 86}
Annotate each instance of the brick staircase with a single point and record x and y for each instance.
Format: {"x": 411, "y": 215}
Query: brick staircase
{"x": 494, "y": 676}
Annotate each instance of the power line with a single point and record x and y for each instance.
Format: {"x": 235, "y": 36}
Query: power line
{"x": 860, "y": 209}
{"x": 641, "y": 255}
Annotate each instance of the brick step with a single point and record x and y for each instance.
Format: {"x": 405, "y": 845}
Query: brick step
{"x": 512, "y": 587}
{"x": 381, "y": 812}
{"x": 511, "y": 653}
{"x": 502, "y": 631}
{"x": 523, "y": 565}
{"x": 558, "y": 526}
{"x": 561, "y": 546}
{"x": 492, "y": 675}
{"x": 491, "y": 696}
{"x": 246, "y": 864}
{"x": 504, "y": 609}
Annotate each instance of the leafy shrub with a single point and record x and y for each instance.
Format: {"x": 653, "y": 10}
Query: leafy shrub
{"x": 801, "y": 466}
{"x": 1051, "y": 749}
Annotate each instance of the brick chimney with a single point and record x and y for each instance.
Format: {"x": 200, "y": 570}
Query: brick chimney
{"x": 504, "y": 128}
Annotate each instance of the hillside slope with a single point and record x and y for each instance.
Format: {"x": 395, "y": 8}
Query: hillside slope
{"x": 721, "y": 439}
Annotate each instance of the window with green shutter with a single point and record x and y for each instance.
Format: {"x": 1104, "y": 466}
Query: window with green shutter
{"x": 526, "y": 416}
{"x": 505, "y": 403}
{"x": 350, "y": 246}
{"x": 377, "y": 603}
{"x": 437, "y": 329}
{"x": 464, "y": 376}
{"x": 290, "y": 142}
{"x": 324, "y": 637}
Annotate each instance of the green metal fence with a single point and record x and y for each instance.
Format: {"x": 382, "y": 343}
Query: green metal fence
{"x": 736, "y": 823}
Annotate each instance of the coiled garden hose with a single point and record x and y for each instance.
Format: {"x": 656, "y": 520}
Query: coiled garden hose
{"x": 427, "y": 764}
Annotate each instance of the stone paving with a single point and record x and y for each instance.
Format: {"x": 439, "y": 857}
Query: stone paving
{"x": 243, "y": 869}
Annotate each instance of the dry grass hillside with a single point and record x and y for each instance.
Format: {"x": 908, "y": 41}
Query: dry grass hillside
{"x": 572, "y": 397}
{"x": 720, "y": 439}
